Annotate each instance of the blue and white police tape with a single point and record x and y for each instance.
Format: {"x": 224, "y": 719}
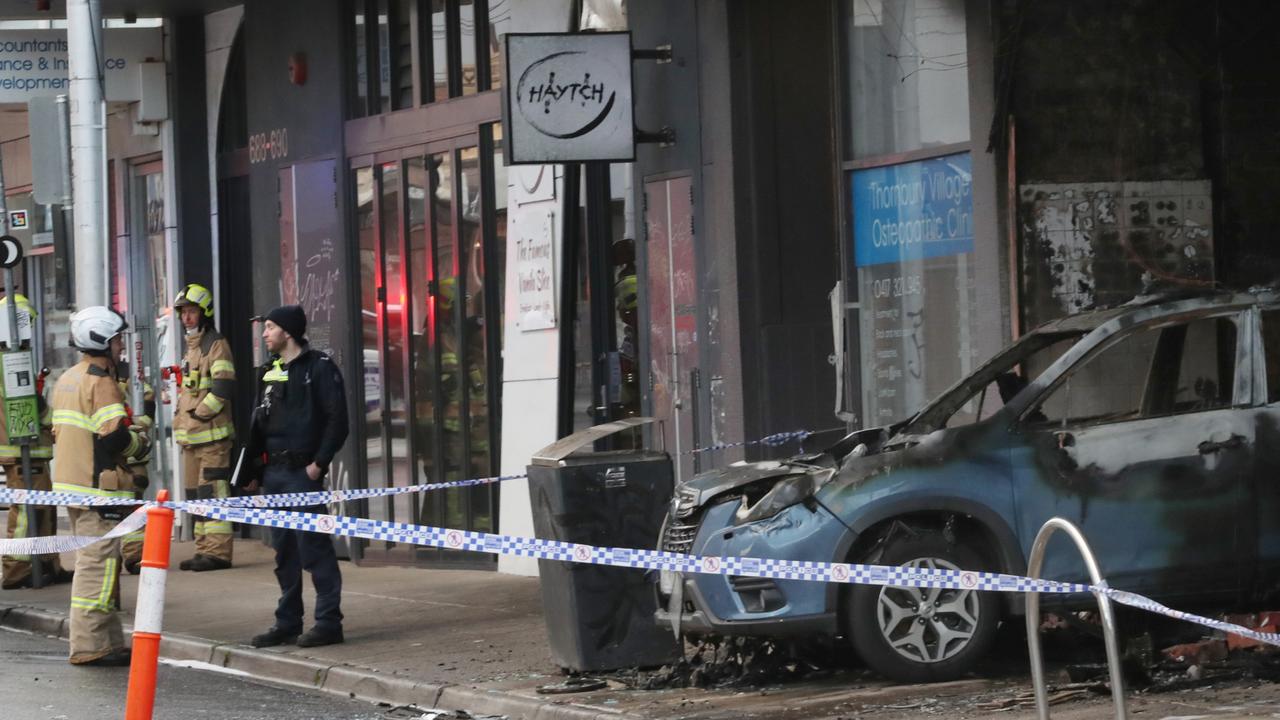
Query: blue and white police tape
{"x": 320, "y": 497}
{"x": 852, "y": 573}
{"x": 67, "y": 543}
{"x": 325, "y": 497}
{"x": 19, "y": 496}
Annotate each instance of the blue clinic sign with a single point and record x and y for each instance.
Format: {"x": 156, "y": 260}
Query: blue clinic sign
{"x": 913, "y": 211}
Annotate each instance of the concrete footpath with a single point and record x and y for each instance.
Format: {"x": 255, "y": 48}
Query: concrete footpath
{"x": 446, "y": 639}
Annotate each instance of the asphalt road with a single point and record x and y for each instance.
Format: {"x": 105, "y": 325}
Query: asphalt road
{"x": 37, "y": 683}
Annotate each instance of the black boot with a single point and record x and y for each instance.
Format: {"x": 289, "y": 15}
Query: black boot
{"x": 24, "y": 582}
{"x": 186, "y": 564}
{"x": 205, "y": 563}
{"x": 317, "y": 636}
{"x": 119, "y": 657}
{"x": 274, "y": 636}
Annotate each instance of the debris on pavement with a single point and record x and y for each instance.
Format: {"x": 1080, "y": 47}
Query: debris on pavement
{"x": 1057, "y": 696}
{"x": 729, "y": 662}
{"x": 412, "y": 712}
{"x": 573, "y": 685}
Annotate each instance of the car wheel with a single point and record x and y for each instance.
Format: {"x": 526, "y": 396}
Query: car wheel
{"x": 922, "y": 634}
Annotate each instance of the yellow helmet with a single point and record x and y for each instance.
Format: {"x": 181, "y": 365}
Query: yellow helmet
{"x": 448, "y": 291}
{"x": 23, "y": 304}
{"x": 198, "y": 295}
{"x": 626, "y": 292}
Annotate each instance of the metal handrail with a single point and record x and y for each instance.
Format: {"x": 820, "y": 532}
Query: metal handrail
{"x": 1104, "y": 607}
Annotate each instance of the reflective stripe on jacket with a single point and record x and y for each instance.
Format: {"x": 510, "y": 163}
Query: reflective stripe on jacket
{"x": 91, "y": 432}
{"x": 208, "y": 381}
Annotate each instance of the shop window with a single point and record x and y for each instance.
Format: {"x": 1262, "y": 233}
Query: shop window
{"x": 370, "y": 325}
{"x": 599, "y": 362}
{"x": 358, "y": 65}
{"x": 435, "y": 53}
{"x": 467, "y": 45}
{"x": 499, "y": 20}
{"x": 401, "y": 53}
{"x": 907, "y": 67}
{"x": 907, "y": 135}
{"x": 431, "y": 50}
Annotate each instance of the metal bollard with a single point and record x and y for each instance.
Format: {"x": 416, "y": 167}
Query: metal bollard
{"x": 149, "y": 614}
{"x": 1034, "y": 563}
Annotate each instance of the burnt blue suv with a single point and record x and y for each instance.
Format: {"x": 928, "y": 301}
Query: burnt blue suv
{"x": 1155, "y": 427}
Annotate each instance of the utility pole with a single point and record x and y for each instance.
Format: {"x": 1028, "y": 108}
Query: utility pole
{"x": 88, "y": 150}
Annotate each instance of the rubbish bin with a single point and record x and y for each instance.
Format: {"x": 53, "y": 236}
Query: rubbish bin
{"x": 600, "y": 617}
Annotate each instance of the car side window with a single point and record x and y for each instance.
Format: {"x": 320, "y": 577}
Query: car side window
{"x": 1271, "y": 346}
{"x": 1206, "y": 371}
{"x": 1158, "y": 370}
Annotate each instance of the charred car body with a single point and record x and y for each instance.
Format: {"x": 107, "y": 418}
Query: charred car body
{"x": 1154, "y": 426}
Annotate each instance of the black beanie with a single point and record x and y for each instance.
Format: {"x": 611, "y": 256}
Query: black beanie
{"x": 292, "y": 320}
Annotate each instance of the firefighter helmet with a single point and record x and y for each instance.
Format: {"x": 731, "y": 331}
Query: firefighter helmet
{"x": 626, "y": 292}
{"x": 93, "y": 327}
{"x": 448, "y": 292}
{"x": 197, "y": 295}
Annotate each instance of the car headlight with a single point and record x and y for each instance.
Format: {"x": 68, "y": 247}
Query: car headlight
{"x": 782, "y": 495}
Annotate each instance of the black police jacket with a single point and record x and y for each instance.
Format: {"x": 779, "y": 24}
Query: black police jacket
{"x": 303, "y": 415}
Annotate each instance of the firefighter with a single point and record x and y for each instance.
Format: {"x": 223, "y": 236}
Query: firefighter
{"x": 131, "y": 544}
{"x": 454, "y": 383}
{"x": 202, "y": 423}
{"x": 17, "y": 568}
{"x": 91, "y": 440}
{"x": 626, "y": 294}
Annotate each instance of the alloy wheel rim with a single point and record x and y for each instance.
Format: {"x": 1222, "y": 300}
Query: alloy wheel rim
{"x": 928, "y": 625}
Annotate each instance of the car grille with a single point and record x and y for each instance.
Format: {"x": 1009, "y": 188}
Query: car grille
{"x": 682, "y": 526}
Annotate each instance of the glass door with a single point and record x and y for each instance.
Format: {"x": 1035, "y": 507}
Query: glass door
{"x": 429, "y": 234}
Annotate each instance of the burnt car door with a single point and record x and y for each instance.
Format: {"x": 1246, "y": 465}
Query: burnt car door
{"x": 1141, "y": 443}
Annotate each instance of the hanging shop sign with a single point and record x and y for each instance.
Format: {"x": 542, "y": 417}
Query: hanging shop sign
{"x": 568, "y": 98}
{"x": 34, "y": 63}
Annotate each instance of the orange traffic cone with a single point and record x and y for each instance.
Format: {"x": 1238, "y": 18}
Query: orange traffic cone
{"x": 149, "y": 614}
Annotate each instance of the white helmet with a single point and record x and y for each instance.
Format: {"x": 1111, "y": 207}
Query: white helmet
{"x": 93, "y": 327}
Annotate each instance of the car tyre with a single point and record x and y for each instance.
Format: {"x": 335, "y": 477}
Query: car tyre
{"x": 919, "y": 634}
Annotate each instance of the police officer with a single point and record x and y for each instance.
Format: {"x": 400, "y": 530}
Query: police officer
{"x": 202, "y": 423}
{"x": 91, "y": 440}
{"x": 17, "y": 568}
{"x": 299, "y": 424}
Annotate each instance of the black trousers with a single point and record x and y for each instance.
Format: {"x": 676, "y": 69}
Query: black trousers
{"x": 298, "y": 550}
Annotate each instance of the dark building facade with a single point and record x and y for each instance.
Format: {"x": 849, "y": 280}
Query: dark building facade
{"x": 854, "y": 205}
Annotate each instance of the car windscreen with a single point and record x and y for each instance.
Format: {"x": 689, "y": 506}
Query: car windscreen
{"x": 990, "y": 387}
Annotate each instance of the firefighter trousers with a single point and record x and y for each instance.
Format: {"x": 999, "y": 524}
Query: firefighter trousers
{"x": 207, "y": 475}
{"x": 17, "y": 568}
{"x": 95, "y": 589}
